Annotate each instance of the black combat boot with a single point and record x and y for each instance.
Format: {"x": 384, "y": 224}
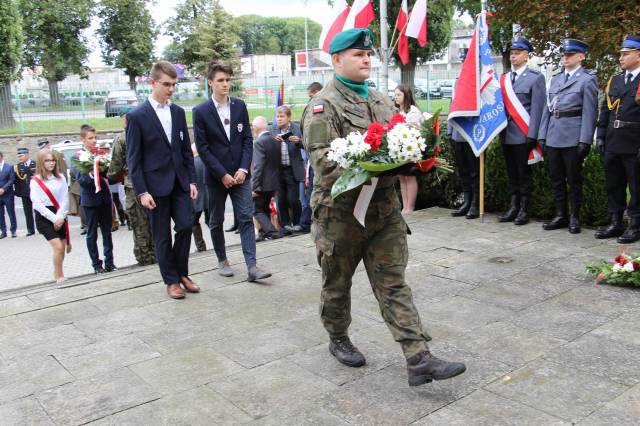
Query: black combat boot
{"x": 511, "y": 214}
{"x": 560, "y": 220}
{"x": 523, "y": 214}
{"x": 474, "y": 210}
{"x": 345, "y": 352}
{"x": 632, "y": 234}
{"x": 423, "y": 368}
{"x": 464, "y": 208}
{"x": 615, "y": 228}
{"x": 574, "y": 220}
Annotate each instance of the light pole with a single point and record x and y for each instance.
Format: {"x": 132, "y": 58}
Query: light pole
{"x": 384, "y": 47}
{"x": 306, "y": 41}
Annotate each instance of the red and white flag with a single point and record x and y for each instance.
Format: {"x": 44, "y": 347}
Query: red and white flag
{"x": 401, "y": 25}
{"x": 335, "y": 24}
{"x": 361, "y": 15}
{"x": 417, "y": 26}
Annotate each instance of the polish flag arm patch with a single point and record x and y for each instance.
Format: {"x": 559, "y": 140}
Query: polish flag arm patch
{"x": 318, "y": 109}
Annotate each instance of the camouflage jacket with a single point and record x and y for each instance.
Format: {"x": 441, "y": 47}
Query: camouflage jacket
{"x": 335, "y": 112}
{"x": 118, "y": 166}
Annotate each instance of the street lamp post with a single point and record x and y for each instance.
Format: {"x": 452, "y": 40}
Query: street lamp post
{"x": 306, "y": 32}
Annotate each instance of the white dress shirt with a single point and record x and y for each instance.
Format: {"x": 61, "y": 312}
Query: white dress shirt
{"x": 224, "y": 112}
{"x": 571, "y": 73}
{"x": 164, "y": 115}
{"x": 634, "y": 73}
{"x": 518, "y": 71}
{"x": 40, "y": 200}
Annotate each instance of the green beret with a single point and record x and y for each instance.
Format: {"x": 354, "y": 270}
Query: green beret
{"x": 355, "y": 38}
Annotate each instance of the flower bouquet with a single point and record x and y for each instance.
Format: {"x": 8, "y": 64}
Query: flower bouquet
{"x": 383, "y": 148}
{"x": 95, "y": 162}
{"x": 625, "y": 270}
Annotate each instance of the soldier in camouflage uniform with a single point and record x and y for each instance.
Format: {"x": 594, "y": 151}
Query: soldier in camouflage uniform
{"x": 347, "y": 104}
{"x": 142, "y": 240}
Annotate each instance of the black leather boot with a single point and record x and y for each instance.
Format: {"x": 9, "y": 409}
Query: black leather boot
{"x": 574, "y": 220}
{"x": 511, "y": 214}
{"x": 474, "y": 210}
{"x": 614, "y": 229}
{"x": 523, "y": 214}
{"x": 560, "y": 220}
{"x": 632, "y": 234}
{"x": 423, "y": 368}
{"x": 464, "y": 208}
{"x": 346, "y": 352}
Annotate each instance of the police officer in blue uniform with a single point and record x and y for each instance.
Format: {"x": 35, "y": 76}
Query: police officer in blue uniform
{"x": 530, "y": 89}
{"x": 566, "y": 132}
{"x": 618, "y": 139}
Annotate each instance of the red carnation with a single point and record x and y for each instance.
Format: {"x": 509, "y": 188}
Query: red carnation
{"x": 635, "y": 264}
{"x": 396, "y": 119}
{"x": 375, "y": 132}
{"x": 622, "y": 260}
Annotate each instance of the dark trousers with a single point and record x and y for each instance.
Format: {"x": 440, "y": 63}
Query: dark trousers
{"x": 173, "y": 260}
{"x": 7, "y": 202}
{"x": 565, "y": 169}
{"x": 262, "y": 212}
{"x": 115, "y": 196}
{"x": 99, "y": 216}
{"x": 243, "y": 210}
{"x": 27, "y": 206}
{"x": 289, "y": 198}
{"x": 305, "y": 217}
{"x": 468, "y": 166}
{"x": 518, "y": 170}
{"x": 621, "y": 170}
{"x": 196, "y": 229}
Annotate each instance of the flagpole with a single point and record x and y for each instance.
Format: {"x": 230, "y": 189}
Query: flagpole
{"x": 483, "y": 4}
{"x": 384, "y": 47}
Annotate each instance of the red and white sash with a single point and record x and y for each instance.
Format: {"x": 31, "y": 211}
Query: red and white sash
{"x": 516, "y": 111}
{"x": 55, "y": 203}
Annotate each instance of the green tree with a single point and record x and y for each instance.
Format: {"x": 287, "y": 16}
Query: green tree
{"x": 54, "y": 39}
{"x": 127, "y": 33}
{"x": 10, "y": 57}
{"x": 172, "y": 53}
{"x": 217, "y": 38}
{"x": 183, "y": 28}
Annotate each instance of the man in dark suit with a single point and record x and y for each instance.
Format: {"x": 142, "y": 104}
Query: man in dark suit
{"x": 265, "y": 176}
{"x": 223, "y": 137}
{"x": 97, "y": 207}
{"x": 163, "y": 175}
{"x": 618, "y": 139}
{"x": 7, "y": 178}
{"x": 24, "y": 169}
{"x": 289, "y": 136}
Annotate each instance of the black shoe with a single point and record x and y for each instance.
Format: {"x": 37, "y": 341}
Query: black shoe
{"x": 511, "y": 214}
{"x": 232, "y": 229}
{"x": 129, "y": 228}
{"x": 99, "y": 270}
{"x": 464, "y": 208}
{"x": 632, "y": 234}
{"x": 574, "y": 220}
{"x": 560, "y": 220}
{"x": 3, "y": 235}
{"x": 83, "y": 231}
{"x": 346, "y": 353}
{"x": 423, "y": 368}
{"x": 30, "y": 233}
{"x": 474, "y": 209}
{"x": 523, "y": 214}
{"x": 615, "y": 228}
{"x": 110, "y": 268}
{"x": 14, "y": 235}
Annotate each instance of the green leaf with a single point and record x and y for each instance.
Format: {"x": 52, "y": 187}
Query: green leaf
{"x": 348, "y": 180}
{"x": 380, "y": 167}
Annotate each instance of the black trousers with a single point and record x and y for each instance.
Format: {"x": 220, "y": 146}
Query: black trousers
{"x": 518, "y": 170}
{"x": 289, "y": 198}
{"x": 620, "y": 171}
{"x": 99, "y": 216}
{"x": 468, "y": 166}
{"x": 565, "y": 168}
{"x": 262, "y": 212}
{"x": 27, "y": 206}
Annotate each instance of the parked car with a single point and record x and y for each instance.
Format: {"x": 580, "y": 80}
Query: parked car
{"x": 424, "y": 86}
{"x": 446, "y": 88}
{"x": 119, "y": 101}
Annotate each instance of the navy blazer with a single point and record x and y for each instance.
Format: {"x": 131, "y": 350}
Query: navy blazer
{"x": 7, "y": 179}
{"x": 154, "y": 162}
{"x": 88, "y": 196}
{"x": 220, "y": 155}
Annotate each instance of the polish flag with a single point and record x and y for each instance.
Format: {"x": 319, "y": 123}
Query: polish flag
{"x": 401, "y": 25}
{"x": 335, "y": 24}
{"x": 361, "y": 15}
{"x": 417, "y": 26}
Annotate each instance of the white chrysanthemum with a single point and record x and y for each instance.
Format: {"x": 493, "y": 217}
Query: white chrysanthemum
{"x": 84, "y": 156}
{"x": 628, "y": 267}
{"x": 616, "y": 267}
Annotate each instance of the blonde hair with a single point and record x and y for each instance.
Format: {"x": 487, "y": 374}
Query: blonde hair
{"x": 40, "y": 170}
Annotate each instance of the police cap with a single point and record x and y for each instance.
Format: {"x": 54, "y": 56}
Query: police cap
{"x": 521, "y": 43}
{"x": 631, "y": 42}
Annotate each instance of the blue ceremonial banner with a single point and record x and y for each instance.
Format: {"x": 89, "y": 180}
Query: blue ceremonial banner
{"x": 477, "y": 109}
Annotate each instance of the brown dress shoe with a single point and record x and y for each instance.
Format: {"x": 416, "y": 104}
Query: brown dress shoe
{"x": 175, "y": 291}
{"x": 189, "y": 285}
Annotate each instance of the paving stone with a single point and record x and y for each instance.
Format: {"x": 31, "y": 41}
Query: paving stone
{"x": 507, "y": 343}
{"x": 28, "y": 375}
{"x": 309, "y": 415}
{"x": 191, "y": 367}
{"x": 601, "y": 299}
{"x": 10, "y": 327}
{"x": 479, "y": 270}
{"x": 16, "y": 305}
{"x": 49, "y": 341}
{"x": 199, "y": 406}
{"x": 130, "y": 298}
{"x": 482, "y": 408}
{"x": 277, "y": 387}
{"x": 625, "y": 328}
{"x": 310, "y": 326}
{"x": 106, "y": 355}
{"x": 54, "y": 316}
{"x": 432, "y": 287}
{"x": 509, "y": 293}
{"x": 611, "y": 359}
{"x": 93, "y": 398}
{"x": 622, "y": 411}
{"x": 556, "y": 389}
{"x": 118, "y": 323}
{"x": 460, "y": 313}
{"x": 24, "y": 412}
{"x": 193, "y": 305}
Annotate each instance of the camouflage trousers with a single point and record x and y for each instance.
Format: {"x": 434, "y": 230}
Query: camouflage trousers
{"x": 142, "y": 240}
{"x": 341, "y": 243}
